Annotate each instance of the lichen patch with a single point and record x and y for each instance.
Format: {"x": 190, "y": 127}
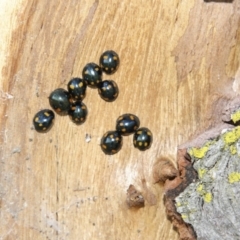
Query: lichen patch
{"x": 235, "y": 116}
{"x": 214, "y": 195}
{"x": 234, "y": 177}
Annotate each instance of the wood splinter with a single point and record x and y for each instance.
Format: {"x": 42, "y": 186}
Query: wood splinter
{"x": 134, "y": 197}
{"x": 164, "y": 169}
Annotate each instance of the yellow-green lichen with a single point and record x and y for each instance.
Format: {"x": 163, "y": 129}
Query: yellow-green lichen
{"x": 201, "y": 172}
{"x": 236, "y": 116}
{"x": 200, "y": 188}
{"x": 234, "y": 177}
{"x": 233, "y": 149}
{"x": 178, "y": 204}
{"x": 184, "y": 216}
{"x": 232, "y": 136}
{"x": 207, "y": 197}
{"x": 200, "y": 152}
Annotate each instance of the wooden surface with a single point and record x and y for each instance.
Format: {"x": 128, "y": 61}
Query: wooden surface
{"x": 177, "y": 57}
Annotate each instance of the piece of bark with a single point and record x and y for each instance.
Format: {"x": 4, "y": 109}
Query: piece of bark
{"x": 134, "y": 197}
{"x": 203, "y": 201}
{"x": 211, "y": 202}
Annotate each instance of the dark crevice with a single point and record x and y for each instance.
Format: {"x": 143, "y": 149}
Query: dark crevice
{"x": 233, "y": 123}
{"x": 190, "y": 176}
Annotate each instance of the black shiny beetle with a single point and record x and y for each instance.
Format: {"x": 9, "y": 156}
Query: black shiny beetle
{"x": 59, "y": 100}
{"x": 142, "y": 139}
{"x": 77, "y": 89}
{"x": 109, "y": 62}
{"x": 127, "y": 124}
{"x": 111, "y": 142}
{"x": 43, "y": 120}
{"x": 108, "y": 90}
{"x": 92, "y": 74}
{"x": 78, "y": 112}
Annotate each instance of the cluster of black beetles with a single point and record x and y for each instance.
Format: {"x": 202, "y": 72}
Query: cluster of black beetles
{"x": 70, "y": 103}
{"x": 126, "y": 124}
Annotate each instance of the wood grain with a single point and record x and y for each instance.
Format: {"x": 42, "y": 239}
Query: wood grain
{"x": 176, "y": 59}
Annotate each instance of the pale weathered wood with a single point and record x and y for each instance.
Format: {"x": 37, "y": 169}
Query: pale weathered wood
{"x": 176, "y": 58}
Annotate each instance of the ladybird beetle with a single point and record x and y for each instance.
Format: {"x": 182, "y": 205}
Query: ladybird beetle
{"x": 127, "y": 124}
{"x": 59, "y": 100}
{"x": 109, "y": 62}
{"x": 78, "y": 112}
{"x": 142, "y": 139}
{"x": 111, "y": 142}
{"x": 77, "y": 89}
{"x": 108, "y": 90}
{"x": 43, "y": 120}
{"x": 92, "y": 74}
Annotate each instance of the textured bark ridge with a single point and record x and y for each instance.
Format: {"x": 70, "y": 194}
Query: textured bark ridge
{"x": 203, "y": 201}
{"x": 173, "y": 188}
